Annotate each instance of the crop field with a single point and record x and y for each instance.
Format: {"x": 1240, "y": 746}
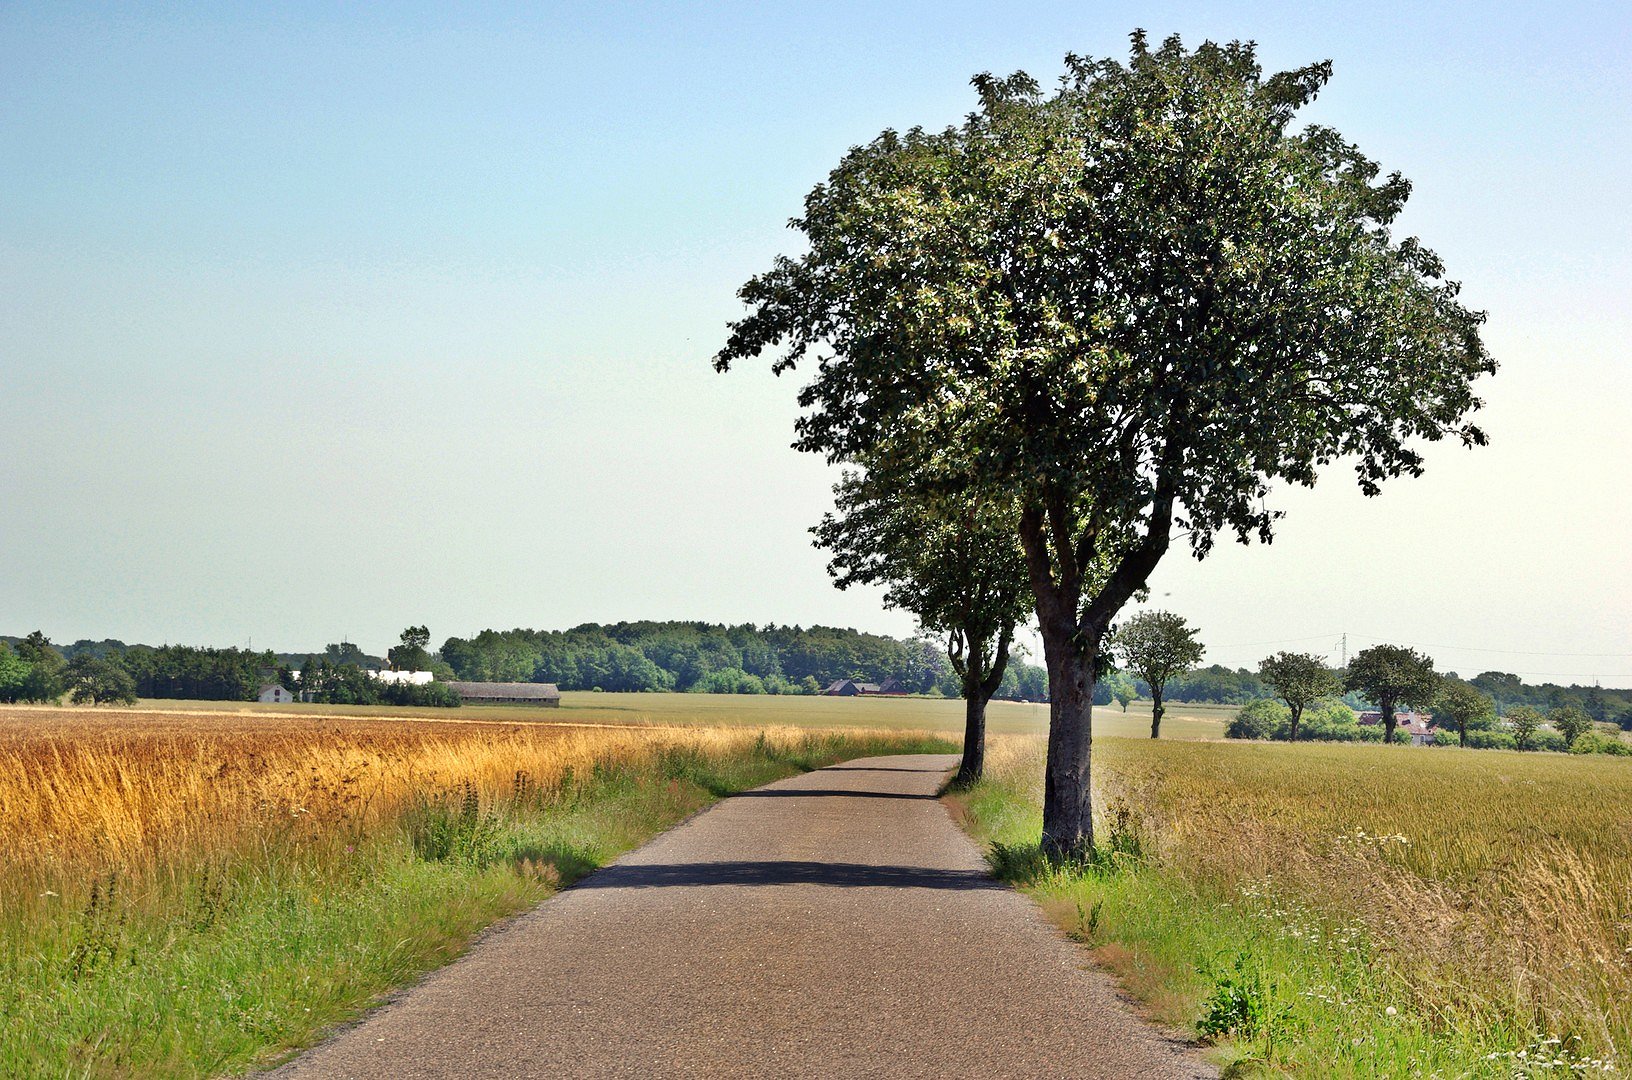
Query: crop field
{"x": 1182, "y": 721}
{"x": 184, "y": 892}
{"x": 1352, "y": 909}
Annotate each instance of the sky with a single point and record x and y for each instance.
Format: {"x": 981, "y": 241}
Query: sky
{"x": 318, "y": 321}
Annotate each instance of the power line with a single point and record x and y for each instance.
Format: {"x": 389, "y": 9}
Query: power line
{"x": 1425, "y": 645}
{"x": 1509, "y": 652}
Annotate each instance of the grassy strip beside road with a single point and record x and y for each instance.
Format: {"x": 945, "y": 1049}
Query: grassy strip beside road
{"x": 1347, "y": 910}
{"x": 318, "y": 868}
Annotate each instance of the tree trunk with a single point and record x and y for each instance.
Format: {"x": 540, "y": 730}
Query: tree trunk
{"x": 973, "y": 765}
{"x": 1068, "y": 807}
{"x": 1297, "y": 714}
{"x": 1156, "y": 710}
{"x": 1462, "y": 734}
{"x": 1388, "y": 722}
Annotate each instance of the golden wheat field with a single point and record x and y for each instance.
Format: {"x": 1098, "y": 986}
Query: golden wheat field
{"x": 86, "y": 788}
{"x": 1497, "y": 881}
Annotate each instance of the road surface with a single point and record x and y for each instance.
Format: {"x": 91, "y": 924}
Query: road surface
{"x": 834, "y": 924}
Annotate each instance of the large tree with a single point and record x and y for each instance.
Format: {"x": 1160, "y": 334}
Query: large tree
{"x": 1298, "y": 679}
{"x": 1130, "y": 307}
{"x": 1392, "y": 676}
{"x": 1157, "y": 645}
{"x": 955, "y": 564}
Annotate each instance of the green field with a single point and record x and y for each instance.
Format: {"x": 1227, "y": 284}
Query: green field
{"x": 752, "y": 710}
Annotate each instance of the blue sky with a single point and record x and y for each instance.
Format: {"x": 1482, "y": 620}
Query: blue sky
{"x": 317, "y": 321}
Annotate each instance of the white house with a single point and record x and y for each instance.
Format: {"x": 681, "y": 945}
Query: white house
{"x": 274, "y": 694}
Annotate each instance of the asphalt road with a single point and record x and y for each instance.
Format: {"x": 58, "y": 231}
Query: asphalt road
{"x": 833, "y": 924}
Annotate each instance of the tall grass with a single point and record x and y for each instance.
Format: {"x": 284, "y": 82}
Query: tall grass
{"x": 187, "y": 895}
{"x": 1352, "y": 910}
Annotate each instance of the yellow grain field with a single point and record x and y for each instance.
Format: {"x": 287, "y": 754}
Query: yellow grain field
{"x": 88, "y": 787}
{"x": 1497, "y": 883}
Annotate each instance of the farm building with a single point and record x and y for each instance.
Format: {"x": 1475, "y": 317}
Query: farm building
{"x": 1418, "y": 725}
{"x": 402, "y": 678}
{"x": 852, "y": 688}
{"x": 273, "y": 694}
{"x": 527, "y": 693}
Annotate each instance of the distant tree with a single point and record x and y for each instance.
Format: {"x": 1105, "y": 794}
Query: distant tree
{"x": 1503, "y": 687}
{"x": 44, "y": 679}
{"x": 1523, "y": 721}
{"x": 1465, "y": 705}
{"x": 99, "y": 680}
{"x": 1298, "y": 679}
{"x": 345, "y": 653}
{"x": 955, "y": 564}
{"x": 809, "y": 685}
{"x": 1392, "y": 676}
{"x": 1570, "y": 721}
{"x": 13, "y": 674}
{"x": 1157, "y": 645}
{"x": 1122, "y": 688}
{"x": 411, "y": 654}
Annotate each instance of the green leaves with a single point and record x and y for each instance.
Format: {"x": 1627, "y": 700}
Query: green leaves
{"x": 1393, "y": 675}
{"x": 1157, "y": 645}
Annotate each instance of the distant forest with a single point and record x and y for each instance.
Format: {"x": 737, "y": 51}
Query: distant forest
{"x": 652, "y": 656}
{"x": 700, "y": 656}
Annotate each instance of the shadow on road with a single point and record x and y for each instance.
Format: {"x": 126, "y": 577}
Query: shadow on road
{"x": 844, "y": 875}
{"x": 880, "y": 768}
{"x": 833, "y": 793}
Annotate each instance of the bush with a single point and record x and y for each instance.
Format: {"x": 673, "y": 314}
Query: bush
{"x": 1478, "y": 740}
{"x": 1596, "y": 742}
{"x": 1259, "y": 719}
{"x": 729, "y": 681}
{"x": 1326, "y": 720}
{"x": 1547, "y": 739}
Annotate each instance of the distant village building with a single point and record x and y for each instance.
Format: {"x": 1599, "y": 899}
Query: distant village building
{"x": 528, "y": 693}
{"x": 1419, "y": 726}
{"x": 852, "y": 688}
{"x": 274, "y": 694}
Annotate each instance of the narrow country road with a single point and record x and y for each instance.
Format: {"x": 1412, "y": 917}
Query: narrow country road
{"x": 833, "y": 924}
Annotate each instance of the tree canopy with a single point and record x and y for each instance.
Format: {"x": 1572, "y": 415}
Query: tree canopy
{"x": 1157, "y": 645}
{"x": 1465, "y": 706}
{"x": 1298, "y": 679}
{"x": 1391, "y": 676}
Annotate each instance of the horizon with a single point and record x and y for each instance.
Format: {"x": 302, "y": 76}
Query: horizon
{"x": 322, "y": 324}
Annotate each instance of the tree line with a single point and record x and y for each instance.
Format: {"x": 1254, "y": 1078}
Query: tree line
{"x": 1305, "y": 705}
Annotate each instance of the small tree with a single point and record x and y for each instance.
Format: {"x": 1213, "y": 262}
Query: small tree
{"x": 1465, "y": 706}
{"x": 1570, "y": 721}
{"x": 1391, "y": 676}
{"x": 1157, "y": 645}
{"x": 1122, "y": 688}
{"x": 1523, "y": 722}
{"x": 1298, "y": 679}
{"x": 955, "y": 564}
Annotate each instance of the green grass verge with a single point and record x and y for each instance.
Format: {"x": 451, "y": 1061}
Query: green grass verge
{"x": 222, "y": 966}
{"x": 1270, "y": 985}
